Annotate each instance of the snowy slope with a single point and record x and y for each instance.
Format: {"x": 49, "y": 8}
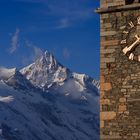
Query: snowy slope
{"x": 39, "y": 116}
{"x": 46, "y": 101}
{"x": 6, "y": 73}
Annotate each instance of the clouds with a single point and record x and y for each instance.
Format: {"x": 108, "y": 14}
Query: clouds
{"x": 66, "y": 53}
{"x": 68, "y": 13}
{"x": 63, "y": 23}
{"x": 14, "y": 41}
{"x": 36, "y": 51}
{"x": 64, "y": 13}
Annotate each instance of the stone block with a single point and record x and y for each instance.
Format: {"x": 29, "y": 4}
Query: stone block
{"x": 107, "y": 115}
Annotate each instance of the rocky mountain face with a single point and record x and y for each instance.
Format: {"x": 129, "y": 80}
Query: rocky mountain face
{"x": 46, "y": 101}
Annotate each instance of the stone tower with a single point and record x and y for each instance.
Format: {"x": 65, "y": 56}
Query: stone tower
{"x": 120, "y": 69}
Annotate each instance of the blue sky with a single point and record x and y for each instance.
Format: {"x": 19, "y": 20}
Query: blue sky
{"x": 67, "y": 28}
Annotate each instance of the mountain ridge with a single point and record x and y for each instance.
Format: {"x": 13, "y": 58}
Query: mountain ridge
{"x": 48, "y": 68}
{"x": 45, "y": 100}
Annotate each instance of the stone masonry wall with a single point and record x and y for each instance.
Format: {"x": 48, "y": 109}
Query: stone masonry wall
{"x": 111, "y": 3}
{"x": 120, "y": 80}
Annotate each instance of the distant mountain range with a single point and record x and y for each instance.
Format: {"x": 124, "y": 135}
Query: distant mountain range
{"x": 47, "y": 101}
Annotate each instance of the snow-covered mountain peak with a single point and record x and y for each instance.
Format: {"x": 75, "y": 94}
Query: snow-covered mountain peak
{"x": 45, "y": 71}
{"x": 48, "y": 60}
{"x": 80, "y": 77}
